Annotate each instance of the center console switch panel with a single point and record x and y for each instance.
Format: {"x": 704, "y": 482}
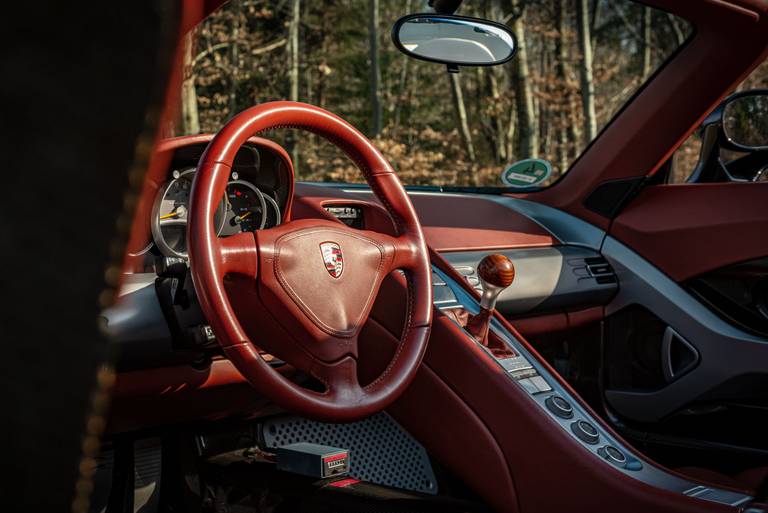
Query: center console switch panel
{"x": 527, "y": 372}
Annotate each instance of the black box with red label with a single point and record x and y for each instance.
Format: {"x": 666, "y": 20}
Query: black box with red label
{"x": 313, "y": 460}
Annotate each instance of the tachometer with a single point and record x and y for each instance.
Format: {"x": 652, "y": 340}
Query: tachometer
{"x": 169, "y": 214}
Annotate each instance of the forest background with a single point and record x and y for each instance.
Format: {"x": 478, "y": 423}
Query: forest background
{"x": 577, "y": 63}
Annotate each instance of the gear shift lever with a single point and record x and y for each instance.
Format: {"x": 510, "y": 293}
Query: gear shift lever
{"x": 496, "y": 273}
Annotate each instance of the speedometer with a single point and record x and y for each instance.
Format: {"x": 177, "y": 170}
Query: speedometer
{"x": 246, "y": 208}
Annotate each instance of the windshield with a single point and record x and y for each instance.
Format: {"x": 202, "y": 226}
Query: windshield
{"x": 577, "y": 63}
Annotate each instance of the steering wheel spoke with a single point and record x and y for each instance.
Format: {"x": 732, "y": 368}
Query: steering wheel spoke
{"x": 340, "y": 379}
{"x": 238, "y": 255}
{"x": 403, "y": 252}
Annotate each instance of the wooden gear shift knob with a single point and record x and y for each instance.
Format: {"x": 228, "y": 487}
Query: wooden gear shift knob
{"x": 496, "y": 270}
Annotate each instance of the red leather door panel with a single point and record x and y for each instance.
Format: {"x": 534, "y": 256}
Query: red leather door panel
{"x": 686, "y": 230}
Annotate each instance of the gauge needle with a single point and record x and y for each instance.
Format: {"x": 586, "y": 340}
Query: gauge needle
{"x": 169, "y": 215}
{"x": 245, "y": 215}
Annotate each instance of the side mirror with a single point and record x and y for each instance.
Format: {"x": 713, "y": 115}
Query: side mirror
{"x": 454, "y": 40}
{"x": 745, "y": 120}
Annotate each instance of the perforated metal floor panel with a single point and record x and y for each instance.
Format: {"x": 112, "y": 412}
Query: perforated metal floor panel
{"x": 380, "y": 451}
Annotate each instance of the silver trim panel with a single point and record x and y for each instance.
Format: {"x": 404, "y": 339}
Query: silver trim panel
{"x": 546, "y": 279}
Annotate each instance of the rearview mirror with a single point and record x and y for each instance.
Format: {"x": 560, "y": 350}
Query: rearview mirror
{"x": 454, "y": 40}
{"x": 745, "y": 120}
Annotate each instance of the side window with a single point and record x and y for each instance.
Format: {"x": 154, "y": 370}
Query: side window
{"x": 707, "y": 156}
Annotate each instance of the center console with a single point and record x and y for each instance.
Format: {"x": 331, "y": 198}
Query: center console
{"x": 525, "y": 371}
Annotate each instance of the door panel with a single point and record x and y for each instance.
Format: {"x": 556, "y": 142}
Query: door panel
{"x": 684, "y": 357}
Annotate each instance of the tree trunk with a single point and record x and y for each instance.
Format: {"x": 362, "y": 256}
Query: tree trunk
{"x": 646, "y": 41}
{"x": 497, "y": 120}
{"x": 373, "y": 32}
{"x": 403, "y": 82}
{"x": 585, "y": 70}
{"x": 565, "y": 129}
{"x": 528, "y": 129}
{"x": 679, "y": 34}
{"x": 190, "y": 120}
{"x": 293, "y": 71}
{"x": 593, "y": 20}
{"x": 461, "y": 115}
{"x": 323, "y": 68}
{"x": 511, "y": 126}
{"x": 401, "y": 91}
{"x": 234, "y": 57}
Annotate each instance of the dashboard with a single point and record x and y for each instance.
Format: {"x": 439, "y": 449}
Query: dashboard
{"x": 560, "y": 266}
{"x": 556, "y": 272}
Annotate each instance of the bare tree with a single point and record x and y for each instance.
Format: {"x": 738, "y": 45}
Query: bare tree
{"x": 585, "y": 70}
{"x": 595, "y": 9}
{"x": 676, "y": 29}
{"x": 561, "y": 56}
{"x": 403, "y": 81}
{"x": 190, "y": 120}
{"x": 461, "y": 115}
{"x": 293, "y": 72}
{"x": 528, "y": 127}
{"x": 235, "y": 8}
{"x": 373, "y": 32}
{"x": 646, "y": 41}
{"x": 293, "y": 42}
{"x": 490, "y": 83}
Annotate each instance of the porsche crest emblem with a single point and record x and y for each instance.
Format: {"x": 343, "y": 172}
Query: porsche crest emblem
{"x": 332, "y": 257}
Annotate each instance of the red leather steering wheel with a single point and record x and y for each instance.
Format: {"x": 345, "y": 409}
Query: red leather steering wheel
{"x": 316, "y": 280}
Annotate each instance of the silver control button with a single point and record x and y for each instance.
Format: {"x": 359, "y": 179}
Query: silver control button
{"x": 585, "y": 431}
{"x": 614, "y": 455}
{"x": 515, "y": 364}
{"x": 524, "y": 373}
{"x": 541, "y": 384}
{"x": 559, "y": 406}
{"x": 528, "y": 386}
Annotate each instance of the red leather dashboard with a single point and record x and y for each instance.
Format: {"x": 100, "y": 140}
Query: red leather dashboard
{"x": 470, "y": 223}
{"x": 460, "y": 223}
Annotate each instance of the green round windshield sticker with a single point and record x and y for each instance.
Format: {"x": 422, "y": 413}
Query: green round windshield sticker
{"x": 526, "y": 173}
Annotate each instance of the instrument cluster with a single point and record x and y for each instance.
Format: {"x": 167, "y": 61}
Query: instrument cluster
{"x": 254, "y": 199}
{"x": 243, "y": 208}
